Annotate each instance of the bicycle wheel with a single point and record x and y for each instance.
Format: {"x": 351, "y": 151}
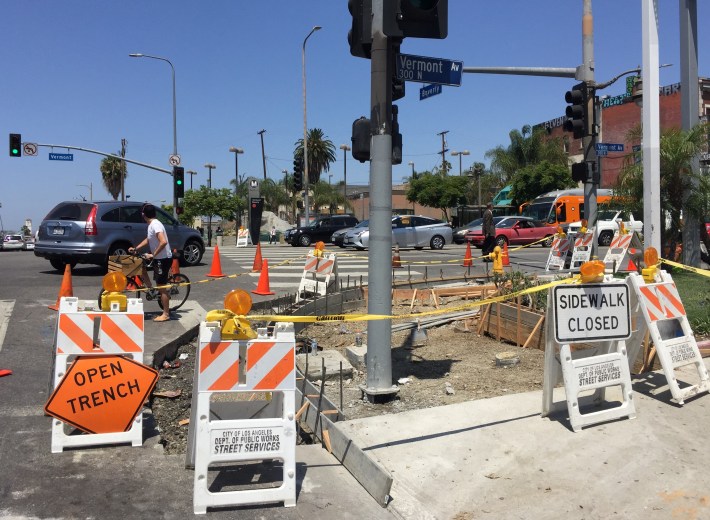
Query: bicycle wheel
{"x": 178, "y": 293}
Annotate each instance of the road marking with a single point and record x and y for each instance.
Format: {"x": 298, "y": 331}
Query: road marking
{"x": 6, "y": 307}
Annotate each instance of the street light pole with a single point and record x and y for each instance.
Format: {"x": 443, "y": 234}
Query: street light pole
{"x": 175, "y": 149}
{"x": 454, "y": 154}
{"x": 91, "y": 189}
{"x": 236, "y": 151}
{"x": 210, "y": 167}
{"x": 191, "y": 173}
{"x": 305, "y": 126}
{"x": 345, "y": 148}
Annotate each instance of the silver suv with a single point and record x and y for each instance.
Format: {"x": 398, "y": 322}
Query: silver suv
{"x": 77, "y": 232}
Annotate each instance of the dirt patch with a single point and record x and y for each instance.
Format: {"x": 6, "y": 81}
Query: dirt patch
{"x": 451, "y": 367}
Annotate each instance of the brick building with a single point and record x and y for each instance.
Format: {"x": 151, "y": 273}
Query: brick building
{"x": 619, "y": 115}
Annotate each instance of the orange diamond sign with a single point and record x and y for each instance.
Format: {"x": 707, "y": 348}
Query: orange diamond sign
{"x": 102, "y": 394}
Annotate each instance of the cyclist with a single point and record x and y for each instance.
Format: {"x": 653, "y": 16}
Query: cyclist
{"x": 157, "y": 242}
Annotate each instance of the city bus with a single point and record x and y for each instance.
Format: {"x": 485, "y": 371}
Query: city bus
{"x": 562, "y": 207}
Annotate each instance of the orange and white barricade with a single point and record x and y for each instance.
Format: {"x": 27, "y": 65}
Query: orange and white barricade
{"x": 253, "y": 421}
{"x": 665, "y": 319}
{"x": 319, "y": 273}
{"x": 90, "y": 332}
{"x": 243, "y": 238}
{"x": 623, "y": 253}
{"x": 557, "y": 259}
{"x": 598, "y": 314}
{"x": 582, "y": 251}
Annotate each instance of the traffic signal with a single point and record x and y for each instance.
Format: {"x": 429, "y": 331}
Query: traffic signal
{"x": 179, "y": 181}
{"x": 416, "y": 18}
{"x": 298, "y": 174}
{"x": 361, "y": 139}
{"x": 578, "y": 111}
{"x": 15, "y": 145}
{"x": 579, "y": 172}
{"x": 360, "y": 35}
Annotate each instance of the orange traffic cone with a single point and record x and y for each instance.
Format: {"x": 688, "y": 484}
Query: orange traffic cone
{"x": 256, "y": 267}
{"x": 506, "y": 259}
{"x": 263, "y": 288}
{"x": 467, "y": 259}
{"x": 65, "y": 289}
{"x": 216, "y": 271}
{"x": 396, "y": 260}
{"x": 175, "y": 267}
{"x": 5, "y": 372}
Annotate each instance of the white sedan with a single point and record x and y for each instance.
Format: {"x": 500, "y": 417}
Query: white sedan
{"x": 407, "y": 231}
{"x": 13, "y": 243}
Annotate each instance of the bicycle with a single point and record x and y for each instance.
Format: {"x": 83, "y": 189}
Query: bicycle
{"x": 179, "y": 283}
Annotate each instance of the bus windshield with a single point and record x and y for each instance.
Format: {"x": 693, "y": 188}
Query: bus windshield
{"x": 540, "y": 209}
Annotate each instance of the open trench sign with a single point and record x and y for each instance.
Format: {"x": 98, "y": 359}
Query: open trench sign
{"x": 102, "y": 394}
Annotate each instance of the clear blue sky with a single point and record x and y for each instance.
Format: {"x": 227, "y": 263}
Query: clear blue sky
{"x": 69, "y": 80}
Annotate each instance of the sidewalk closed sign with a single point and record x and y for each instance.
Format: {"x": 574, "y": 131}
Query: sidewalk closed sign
{"x": 591, "y": 312}
{"x": 102, "y": 394}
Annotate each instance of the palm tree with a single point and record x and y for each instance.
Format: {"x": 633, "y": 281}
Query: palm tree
{"x": 326, "y": 196}
{"x": 111, "y": 169}
{"x": 678, "y": 149}
{"x": 321, "y": 153}
{"x": 527, "y": 147}
{"x": 274, "y": 194}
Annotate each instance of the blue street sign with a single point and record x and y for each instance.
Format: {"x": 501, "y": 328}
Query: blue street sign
{"x": 609, "y": 147}
{"x": 429, "y": 70}
{"x": 428, "y": 91}
{"x": 61, "y": 156}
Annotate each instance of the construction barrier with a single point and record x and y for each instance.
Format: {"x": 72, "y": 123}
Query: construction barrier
{"x": 243, "y": 238}
{"x": 623, "y": 253}
{"x": 597, "y": 315}
{"x": 86, "y": 332}
{"x": 319, "y": 273}
{"x": 253, "y": 421}
{"x": 664, "y": 318}
{"x": 557, "y": 259}
{"x": 582, "y": 251}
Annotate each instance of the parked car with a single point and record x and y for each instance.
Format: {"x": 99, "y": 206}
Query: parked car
{"x": 608, "y": 224}
{"x": 460, "y": 232}
{"x": 78, "y": 232}
{"x": 515, "y": 231}
{"x": 322, "y": 229}
{"x": 407, "y": 231}
{"x": 338, "y": 237}
{"x": 13, "y": 243}
{"x": 29, "y": 244}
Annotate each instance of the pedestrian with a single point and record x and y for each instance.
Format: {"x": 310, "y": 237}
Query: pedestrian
{"x": 489, "y": 230}
{"x": 157, "y": 242}
{"x": 219, "y": 231}
{"x": 272, "y": 235}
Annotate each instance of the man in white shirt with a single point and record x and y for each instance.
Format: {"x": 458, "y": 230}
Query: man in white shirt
{"x": 157, "y": 242}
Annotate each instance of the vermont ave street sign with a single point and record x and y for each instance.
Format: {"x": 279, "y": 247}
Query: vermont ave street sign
{"x": 429, "y": 70}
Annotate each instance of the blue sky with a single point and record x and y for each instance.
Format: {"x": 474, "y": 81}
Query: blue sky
{"x": 69, "y": 80}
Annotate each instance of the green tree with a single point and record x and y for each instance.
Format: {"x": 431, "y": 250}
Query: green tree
{"x": 532, "y": 180}
{"x": 527, "y": 147}
{"x": 321, "y": 154}
{"x": 275, "y": 195}
{"x": 437, "y": 191}
{"x": 209, "y": 203}
{"x": 326, "y": 197}
{"x": 111, "y": 169}
{"x": 678, "y": 149}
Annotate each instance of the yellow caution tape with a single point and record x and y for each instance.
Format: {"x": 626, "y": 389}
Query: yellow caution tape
{"x": 373, "y": 317}
{"x": 696, "y": 270}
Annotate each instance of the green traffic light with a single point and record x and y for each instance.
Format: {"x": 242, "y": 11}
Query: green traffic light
{"x": 15, "y": 151}
{"x": 179, "y": 182}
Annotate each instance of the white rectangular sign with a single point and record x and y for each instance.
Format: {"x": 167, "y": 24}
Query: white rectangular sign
{"x": 591, "y": 312}
{"x": 256, "y": 441}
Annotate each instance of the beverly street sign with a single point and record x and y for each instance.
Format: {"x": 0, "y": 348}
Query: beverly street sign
{"x": 429, "y": 70}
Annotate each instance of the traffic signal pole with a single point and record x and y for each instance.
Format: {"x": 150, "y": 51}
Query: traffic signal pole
{"x": 589, "y": 140}
{"x": 379, "y": 301}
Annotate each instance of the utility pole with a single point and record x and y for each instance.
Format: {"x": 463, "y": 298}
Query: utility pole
{"x": 123, "y": 169}
{"x": 263, "y": 156}
{"x": 589, "y": 139}
{"x": 443, "y": 150}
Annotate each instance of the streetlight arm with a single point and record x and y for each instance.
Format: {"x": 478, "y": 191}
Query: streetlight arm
{"x": 601, "y": 86}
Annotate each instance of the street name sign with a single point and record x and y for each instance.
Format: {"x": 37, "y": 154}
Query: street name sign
{"x": 102, "y": 394}
{"x": 428, "y": 91}
{"x": 61, "y": 156}
{"x": 604, "y": 148}
{"x": 429, "y": 70}
{"x": 591, "y": 312}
